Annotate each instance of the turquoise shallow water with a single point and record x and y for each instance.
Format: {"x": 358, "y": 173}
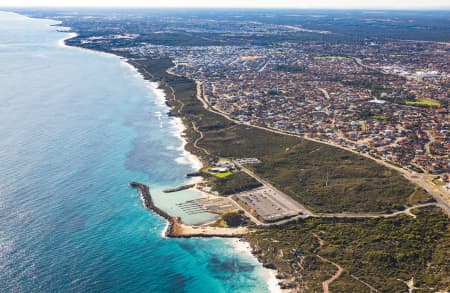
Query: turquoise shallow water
{"x": 76, "y": 127}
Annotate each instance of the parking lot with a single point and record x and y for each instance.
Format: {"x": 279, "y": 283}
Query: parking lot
{"x": 268, "y": 204}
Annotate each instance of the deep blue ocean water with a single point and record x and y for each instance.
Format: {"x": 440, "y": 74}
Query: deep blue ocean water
{"x": 75, "y": 128}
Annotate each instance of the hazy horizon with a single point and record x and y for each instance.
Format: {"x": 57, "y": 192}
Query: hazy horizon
{"x": 269, "y": 4}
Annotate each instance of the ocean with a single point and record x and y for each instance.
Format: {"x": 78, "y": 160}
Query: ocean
{"x": 75, "y": 128}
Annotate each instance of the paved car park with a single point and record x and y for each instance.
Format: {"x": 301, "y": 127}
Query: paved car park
{"x": 268, "y": 204}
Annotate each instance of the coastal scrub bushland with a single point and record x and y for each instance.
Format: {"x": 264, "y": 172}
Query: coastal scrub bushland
{"x": 383, "y": 252}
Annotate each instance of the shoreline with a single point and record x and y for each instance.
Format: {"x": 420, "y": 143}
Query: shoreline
{"x": 191, "y": 159}
{"x": 270, "y": 276}
{"x": 160, "y": 95}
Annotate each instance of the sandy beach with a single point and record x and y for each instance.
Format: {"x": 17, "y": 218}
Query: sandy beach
{"x": 181, "y": 230}
{"x": 62, "y": 42}
{"x": 187, "y": 157}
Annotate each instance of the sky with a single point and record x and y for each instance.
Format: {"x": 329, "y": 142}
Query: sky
{"x": 375, "y": 4}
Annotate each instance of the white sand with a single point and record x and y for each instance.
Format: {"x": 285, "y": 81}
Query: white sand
{"x": 187, "y": 158}
{"x": 178, "y": 127}
{"x": 159, "y": 93}
{"x": 62, "y": 42}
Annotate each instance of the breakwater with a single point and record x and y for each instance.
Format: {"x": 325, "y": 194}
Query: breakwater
{"x": 194, "y": 174}
{"x": 179, "y": 188}
{"x": 144, "y": 192}
{"x": 147, "y": 200}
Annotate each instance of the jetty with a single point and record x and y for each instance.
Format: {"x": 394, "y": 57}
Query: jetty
{"x": 176, "y": 228}
{"x": 179, "y": 188}
{"x": 194, "y": 174}
{"x": 190, "y": 207}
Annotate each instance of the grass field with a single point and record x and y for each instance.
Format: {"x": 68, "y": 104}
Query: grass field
{"x": 216, "y": 174}
{"x": 424, "y": 103}
{"x": 222, "y": 175}
{"x": 439, "y": 182}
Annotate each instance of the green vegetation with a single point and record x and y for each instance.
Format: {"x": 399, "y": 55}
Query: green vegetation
{"x": 246, "y": 141}
{"x": 420, "y": 196}
{"x": 378, "y": 251}
{"x": 329, "y": 57}
{"x": 217, "y": 174}
{"x": 398, "y": 55}
{"x": 347, "y": 283}
{"x": 237, "y": 182}
{"x": 291, "y": 68}
{"x": 439, "y": 182}
{"x": 234, "y": 219}
{"x": 378, "y": 117}
{"x": 421, "y": 102}
{"x": 329, "y": 179}
{"x": 223, "y": 175}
